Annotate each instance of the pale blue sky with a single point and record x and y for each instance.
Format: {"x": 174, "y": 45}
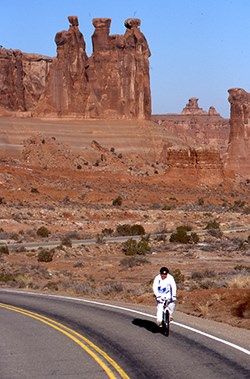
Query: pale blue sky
{"x": 200, "y": 48}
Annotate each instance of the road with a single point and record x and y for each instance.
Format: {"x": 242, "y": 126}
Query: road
{"x": 109, "y": 239}
{"x": 79, "y": 338}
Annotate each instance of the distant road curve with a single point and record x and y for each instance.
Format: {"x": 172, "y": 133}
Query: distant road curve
{"x": 107, "y": 239}
{"x": 127, "y": 334}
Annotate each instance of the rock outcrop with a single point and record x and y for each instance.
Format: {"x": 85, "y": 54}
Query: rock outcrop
{"x": 192, "y": 108}
{"x": 189, "y": 165}
{"x": 22, "y": 79}
{"x": 238, "y": 152}
{"x": 112, "y": 83}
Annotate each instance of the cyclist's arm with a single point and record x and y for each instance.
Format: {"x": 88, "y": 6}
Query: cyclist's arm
{"x": 173, "y": 288}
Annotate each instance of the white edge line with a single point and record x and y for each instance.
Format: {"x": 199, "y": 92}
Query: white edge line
{"x": 242, "y": 349}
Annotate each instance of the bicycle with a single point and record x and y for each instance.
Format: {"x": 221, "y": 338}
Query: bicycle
{"x": 166, "y": 317}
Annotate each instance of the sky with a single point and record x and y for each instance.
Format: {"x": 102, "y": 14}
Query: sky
{"x": 199, "y": 48}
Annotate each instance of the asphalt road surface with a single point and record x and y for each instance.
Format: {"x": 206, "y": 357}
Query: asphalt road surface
{"x": 45, "y": 336}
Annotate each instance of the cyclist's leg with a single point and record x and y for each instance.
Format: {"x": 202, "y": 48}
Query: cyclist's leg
{"x": 171, "y": 307}
{"x": 159, "y": 313}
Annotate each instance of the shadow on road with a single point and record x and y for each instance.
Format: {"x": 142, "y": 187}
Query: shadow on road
{"x": 149, "y": 325}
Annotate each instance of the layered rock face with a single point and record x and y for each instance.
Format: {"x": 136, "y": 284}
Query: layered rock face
{"x": 194, "y": 165}
{"x": 22, "y": 79}
{"x": 238, "y": 152}
{"x": 112, "y": 83}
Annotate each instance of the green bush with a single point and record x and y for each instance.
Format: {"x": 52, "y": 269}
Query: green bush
{"x": 180, "y": 236}
{"x": 130, "y": 230}
{"x": 132, "y": 247}
{"x": 45, "y": 255}
{"x": 43, "y": 232}
{"x": 137, "y": 230}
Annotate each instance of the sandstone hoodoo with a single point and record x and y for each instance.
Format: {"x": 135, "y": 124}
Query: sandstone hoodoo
{"x": 113, "y": 83}
{"x": 239, "y": 139}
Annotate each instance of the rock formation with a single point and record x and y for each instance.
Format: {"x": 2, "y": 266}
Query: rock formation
{"x": 22, "y": 79}
{"x": 194, "y": 165}
{"x": 118, "y": 72}
{"x": 112, "y": 83}
{"x": 238, "y": 153}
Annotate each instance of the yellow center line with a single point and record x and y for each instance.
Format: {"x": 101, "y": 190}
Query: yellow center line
{"x": 70, "y": 334}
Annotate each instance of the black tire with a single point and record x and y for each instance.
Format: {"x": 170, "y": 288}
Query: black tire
{"x": 166, "y": 323}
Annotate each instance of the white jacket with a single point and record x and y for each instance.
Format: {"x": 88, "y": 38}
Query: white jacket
{"x": 165, "y": 287}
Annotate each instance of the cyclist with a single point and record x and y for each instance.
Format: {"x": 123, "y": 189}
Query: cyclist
{"x": 164, "y": 286}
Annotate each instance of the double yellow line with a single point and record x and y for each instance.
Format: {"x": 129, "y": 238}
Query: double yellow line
{"x": 103, "y": 359}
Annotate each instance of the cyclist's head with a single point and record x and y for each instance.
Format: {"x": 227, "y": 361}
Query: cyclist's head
{"x": 164, "y": 271}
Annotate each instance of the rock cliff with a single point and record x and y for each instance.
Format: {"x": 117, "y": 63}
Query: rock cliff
{"x": 112, "y": 83}
{"x": 22, "y": 79}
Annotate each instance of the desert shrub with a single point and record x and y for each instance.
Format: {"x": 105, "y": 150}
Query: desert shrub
{"x": 130, "y": 230}
{"x": 107, "y": 231}
{"x": 1, "y": 200}
{"x": 34, "y": 190}
{"x": 137, "y": 230}
{"x": 100, "y": 239}
{"x": 242, "y": 267}
{"x": 200, "y": 201}
{"x": 117, "y": 201}
{"x": 53, "y": 286}
{"x": 194, "y": 238}
{"x": 129, "y": 262}
{"x": 238, "y": 204}
{"x": 123, "y": 230}
{"x": 143, "y": 247}
{"x": 186, "y": 228}
{"x": 45, "y": 255}
{"x": 180, "y": 236}
{"x": 178, "y": 276}
{"x": 6, "y": 277}
{"x": 66, "y": 241}
{"x": 167, "y": 207}
{"x": 43, "y": 231}
{"x": 132, "y": 247}
{"x": 202, "y": 274}
{"x": 4, "y": 250}
{"x": 212, "y": 224}
{"x": 85, "y": 288}
{"x": 239, "y": 281}
{"x": 111, "y": 288}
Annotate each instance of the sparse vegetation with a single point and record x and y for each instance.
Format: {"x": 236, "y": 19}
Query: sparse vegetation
{"x": 212, "y": 224}
{"x": 43, "y": 232}
{"x": 117, "y": 201}
{"x": 45, "y": 255}
{"x": 130, "y": 230}
{"x": 4, "y": 249}
{"x": 133, "y": 247}
{"x": 129, "y": 262}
